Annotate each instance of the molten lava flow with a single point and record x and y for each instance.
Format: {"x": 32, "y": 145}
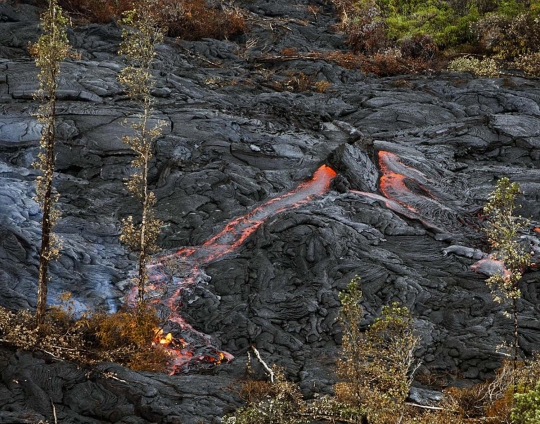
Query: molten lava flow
{"x": 392, "y": 182}
{"x": 405, "y": 191}
{"x": 239, "y": 229}
{"x": 188, "y": 346}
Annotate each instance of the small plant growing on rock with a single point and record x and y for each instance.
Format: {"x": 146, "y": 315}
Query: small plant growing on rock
{"x": 376, "y": 368}
{"x": 141, "y": 34}
{"x": 529, "y": 63}
{"x": 502, "y": 231}
{"x": 322, "y": 86}
{"x": 283, "y": 404}
{"x": 49, "y": 51}
{"x": 527, "y": 407}
{"x": 482, "y": 67}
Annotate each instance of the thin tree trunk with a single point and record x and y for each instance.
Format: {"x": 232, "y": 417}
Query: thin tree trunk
{"x": 516, "y": 335}
{"x": 515, "y": 347}
{"x": 142, "y": 253}
{"x": 46, "y": 224}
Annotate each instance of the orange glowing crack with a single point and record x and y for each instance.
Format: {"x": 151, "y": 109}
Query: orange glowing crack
{"x": 397, "y": 196}
{"x": 395, "y": 173}
{"x": 231, "y": 237}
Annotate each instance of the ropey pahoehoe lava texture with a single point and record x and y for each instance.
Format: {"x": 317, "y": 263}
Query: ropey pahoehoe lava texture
{"x": 416, "y": 157}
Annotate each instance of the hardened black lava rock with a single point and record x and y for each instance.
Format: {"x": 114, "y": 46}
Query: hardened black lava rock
{"x": 239, "y": 133}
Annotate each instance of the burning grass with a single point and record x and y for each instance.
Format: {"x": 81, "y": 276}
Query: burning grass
{"x": 129, "y": 337}
{"x": 126, "y": 337}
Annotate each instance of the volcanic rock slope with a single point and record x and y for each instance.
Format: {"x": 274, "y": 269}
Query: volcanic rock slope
{"x": 416, "y": 157}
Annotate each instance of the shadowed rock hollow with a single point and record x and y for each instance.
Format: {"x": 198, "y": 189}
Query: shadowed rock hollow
{"x": 416, "y": 157}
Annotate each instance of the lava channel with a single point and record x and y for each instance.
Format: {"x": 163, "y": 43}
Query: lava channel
{"x": 405, "y": 192}
{"x": 170, "y": 274}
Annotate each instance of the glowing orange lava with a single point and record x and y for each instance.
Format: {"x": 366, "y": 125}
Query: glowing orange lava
{"x": 185, "y": 344}
{"x": 395, "y": 183}
{"x": 163, "y": 340}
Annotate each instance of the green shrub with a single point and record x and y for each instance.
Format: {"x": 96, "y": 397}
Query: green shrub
{"x": 526, "y": 408}
{"x": 509, "y": 36}
{"x": 529, "y": 63}
{"x": 505, "y": 27}
{"x": 437, "y": 19}
{"x": 376, "y": 368}
{"x": 482, "y": 67}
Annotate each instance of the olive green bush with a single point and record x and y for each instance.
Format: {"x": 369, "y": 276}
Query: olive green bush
{"x": 527, "y": 407}
{"x": 377, "y": 366}
{"x": 509, "y": 37}
{"x": 529, "y": 64}
{"x": 482, "y": 67}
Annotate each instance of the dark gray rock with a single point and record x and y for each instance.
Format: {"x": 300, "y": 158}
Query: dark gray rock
{"x": 356, "y": 166}
{"x": 415, "y": 163}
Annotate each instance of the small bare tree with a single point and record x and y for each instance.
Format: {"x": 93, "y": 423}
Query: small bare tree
{"x": 141, "y": 34}
{"x": 502, "y": 231}
{"x": 49, "y": 51}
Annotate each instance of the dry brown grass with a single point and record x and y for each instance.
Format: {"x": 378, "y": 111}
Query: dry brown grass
{"x": 187, "y": 19}
{"x": 389, "y": 64}
{"x": 467, "y": 402}
{"x": 124, "y": 328}
{"x": 199, "y": 20}
{"x": 125, "y": 337}
{"x": 254, "y": 391}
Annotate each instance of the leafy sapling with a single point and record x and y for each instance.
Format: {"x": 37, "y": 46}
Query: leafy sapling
{"x": 141, "y": 34}
{"x": 376, "y": 367}
{"x": 502, "y": 230}
{"x": 51, "y": 49}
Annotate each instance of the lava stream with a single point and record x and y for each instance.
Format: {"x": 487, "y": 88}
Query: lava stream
{"x": 188, "y": 346}
{"x": 405, "y": 191}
